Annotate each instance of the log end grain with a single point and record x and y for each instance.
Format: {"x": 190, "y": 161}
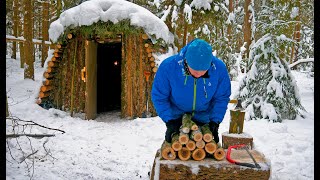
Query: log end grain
{"x": 191, "y": 145}
{"x": 211, "y": 147}
{"x": 198, "y": 154}
{"x": 207, "y": 137}
{"x": 184, "y": 154}
{"x": 219, "y": 154}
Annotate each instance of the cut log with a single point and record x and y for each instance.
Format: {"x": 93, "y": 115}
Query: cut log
{"x": 48, "y": 75}
{"x": 219, "y": 154}
{"x": 70, "y": 36}
{"x": 155, "y": 69}
{"x": 196, "y": 135}
{"x": 146, "y": 45}
{"x": 47, "y": 82}
{"x": 149, "y": 55}
{"x": 45, "y": 88}
{"x": 59, "y": 46}
{"x": 211, "y": 147}
{"x": 52, "y": 64}
{"x": 233, "y": 139}
{"x": 43, "y": 94}
{"x": 51, "y": 69}
{"x": 149, "y": 50}
{"x": 191, "y": 145}
{"x": 200, "y": 144}
{"x": 198, "y": 154}
{"x": 167, "y": 152}
{"x": 176, "y": 145}
{"x": 152, "y": 64}
{"x": 183, "y": 138}
{"x": 188, "y": 124}
{"x": 151, "y": 58}
{"x": 184, "y": 154}
{"x": 145, "y": 36}
{"x": 57, "y": 54}
{"x": 58, "y": 50}
{"x": 207, "y": 134}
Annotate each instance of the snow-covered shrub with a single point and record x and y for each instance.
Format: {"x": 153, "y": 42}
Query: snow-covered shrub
{"x": 269, "y": 90}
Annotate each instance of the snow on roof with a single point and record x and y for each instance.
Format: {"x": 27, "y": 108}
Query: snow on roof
{"x": 92, "y": 11}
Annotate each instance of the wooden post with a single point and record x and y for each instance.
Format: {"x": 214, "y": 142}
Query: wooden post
{"x": 91, "y": 79}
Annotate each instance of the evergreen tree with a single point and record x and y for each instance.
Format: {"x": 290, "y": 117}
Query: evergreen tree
{"x": 269, "y": 90}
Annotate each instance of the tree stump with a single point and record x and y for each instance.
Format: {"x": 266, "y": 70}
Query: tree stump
{"x": 209, "y": 168}
{"x": 233, "y": 139}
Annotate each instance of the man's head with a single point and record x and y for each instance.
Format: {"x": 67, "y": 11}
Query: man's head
{"x": 199, "y": 55}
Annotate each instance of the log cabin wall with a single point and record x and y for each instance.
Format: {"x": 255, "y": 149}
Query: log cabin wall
{"x": 68, "y": 89}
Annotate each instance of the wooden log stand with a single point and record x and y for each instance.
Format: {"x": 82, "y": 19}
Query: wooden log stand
{"x": 210, "y": 168}
{"x": 230, "y": 139}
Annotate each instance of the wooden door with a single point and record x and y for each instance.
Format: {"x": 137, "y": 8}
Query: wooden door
{"x": 91, "y": 79}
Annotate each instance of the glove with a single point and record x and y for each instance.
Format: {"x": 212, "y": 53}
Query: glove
{"x": 173, "y": 126}
{"x": 214, "y": 129}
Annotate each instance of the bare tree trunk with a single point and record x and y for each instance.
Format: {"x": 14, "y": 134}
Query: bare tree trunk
{"x": 28, "y": 44}
{"x": 7, "y": 109}
{"x": 247, "y": 27}
{"x": 45, "y": 28}
{"x": 296, "y": 36}
{"x": 229, "y": 30}
{"x": 20, "y": 33}
{"x": 15, "y": 28}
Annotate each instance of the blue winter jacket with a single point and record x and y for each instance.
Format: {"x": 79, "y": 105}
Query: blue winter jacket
{"x": 176, "y": 92}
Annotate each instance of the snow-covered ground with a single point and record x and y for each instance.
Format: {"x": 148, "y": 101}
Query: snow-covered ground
{"x": 114, "y": 148}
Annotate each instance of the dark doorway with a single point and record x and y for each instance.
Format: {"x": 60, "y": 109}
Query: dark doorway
{"x": 108, "y": 77}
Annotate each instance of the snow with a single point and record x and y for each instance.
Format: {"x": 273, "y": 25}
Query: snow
{"x": 114, "y": 148}
{"x": 92, "y": 11}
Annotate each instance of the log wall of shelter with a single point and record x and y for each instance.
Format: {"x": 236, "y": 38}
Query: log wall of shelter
{"x": 135, "y": 61}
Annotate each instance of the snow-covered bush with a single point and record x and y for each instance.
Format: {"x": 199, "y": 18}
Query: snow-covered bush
{"x": 269, "y": 90}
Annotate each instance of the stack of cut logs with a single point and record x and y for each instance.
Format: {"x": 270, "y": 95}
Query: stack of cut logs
{"x": 193, "y": 141}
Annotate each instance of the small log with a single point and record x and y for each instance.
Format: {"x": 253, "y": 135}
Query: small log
{"x": 149, "y": 55}
{"x": 200, "y": 144}
{"x": 207, "y": 134}
{"x": 219, "y": 154}
{"x": 47, "y": 82}
{"x": 43, "y": 94}
{"x": 69, "y": 36}
{"x": 58, "y": 50}
{"x": 191, "y": 145}
{"x": 183, "y": 138}
{"x": 167, "y": 152}
{"x": 58, "y": 46}
{"x": 57, "y": 54}
{"x": 52, "y": 64}
{"x": 196, "y": 135}
{"x": 211, "y": 147}
{"x": 45, "y": 88}
{"x": 48, "y": 75}
{"x": 155, "y": 69}
{"x": 188, "y": 124}
{"x": 233, "y": 101}
{"x": 51, "y": 69}
{"x": 151, "y": 58}
{"x": 176, "y": 145}
{"x": 184, "y": 154}
{"x": 145, "y": 36}
{"x": 146, "y": 45}
{"x": 152, "y": 64}
{"x": 55, "y": 59}
{"x": 149, "y": 50}
{"x": 198, "y": 154}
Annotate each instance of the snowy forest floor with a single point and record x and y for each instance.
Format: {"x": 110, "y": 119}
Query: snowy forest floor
{"x": 114, "y": 148}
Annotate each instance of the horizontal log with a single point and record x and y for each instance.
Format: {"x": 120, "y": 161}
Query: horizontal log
{"x": 155, "y": 69}
{"x": 44, "y": 94}
{"x": 52, "y": 63}
{"x": 183, "y": 138}
{"x": 57, "y": 54}
{"x": 69, "y": 36}
{"x": 149, "y": 55}
{"x": 200, "y": 144}
{"x": 167, "y": 152}
{"x": 145, "y": 36}
{"x": 184, "y": 154}
{"x": 58, "y": 50}
{"x": 146, "y": 45}
{"x": 211, "y": 147}
{"x": 149, "y": 50}
{"x": 191, "y": 145}
{"x": 151, "y": 58}
{"x": 48, "y": 75}
{"x": 198, "y": 154}
{"x": 219, "y": 154}
{"x": 47, "y": 82}
{"x": 152, "y": 64}
{"x": 58, "y": 46}
{"x": 51, "y": 69}
{"x": 207, "y": 134}
{"x": 46, "y": 88}
{"x": 196, "y": 135}
{"x": 233, "y": 101}
{"x": 176, "y": 145}
{"x": 55, "y": 59}
{"x": 29, "y": 135}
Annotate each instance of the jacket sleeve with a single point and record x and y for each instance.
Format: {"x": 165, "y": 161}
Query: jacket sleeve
{"x": 160, "y": 95}
{"x": 220, "y": 100}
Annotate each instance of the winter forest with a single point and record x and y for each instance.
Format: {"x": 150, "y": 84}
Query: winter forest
{"x": 267, "y": 46}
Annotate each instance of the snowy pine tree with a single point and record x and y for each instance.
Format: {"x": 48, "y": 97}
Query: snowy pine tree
{"x": 269, "y": 90}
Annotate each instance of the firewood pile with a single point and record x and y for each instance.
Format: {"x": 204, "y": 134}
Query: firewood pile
{"x": 193, "y": 142}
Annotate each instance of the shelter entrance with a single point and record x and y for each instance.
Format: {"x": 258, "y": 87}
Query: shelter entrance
{"x": 108, "y": 76}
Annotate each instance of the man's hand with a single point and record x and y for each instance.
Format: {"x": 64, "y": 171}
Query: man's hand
{"x": 214, "y": 129}
{"x": 173, "y": 126}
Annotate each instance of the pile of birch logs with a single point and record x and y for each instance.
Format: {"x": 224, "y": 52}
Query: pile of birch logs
{"x": 193, "y": 141}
